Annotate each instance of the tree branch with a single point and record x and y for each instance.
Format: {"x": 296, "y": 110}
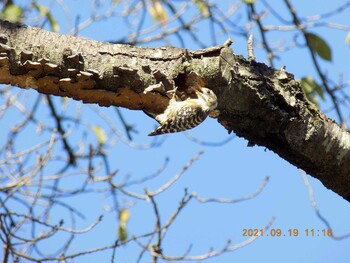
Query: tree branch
{"x": 264, "y": 105}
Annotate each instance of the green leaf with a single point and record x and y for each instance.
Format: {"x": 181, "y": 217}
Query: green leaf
{"x": 43, "y": 11}
{"x": 202, "y": 7}
{"x": 100, "y": 134}
{"x": 53, "y": 23}
{"x": 122, "y": 232}
{"x": 347, "y": 39}
{"x": 319, "y": 46}
{"x": 12, "y": 13}
{"x": 312, "y": 90}
{"x": 249, "y": 1}
{"x": 157, "y": 12}
{"x": 124, "y": 216}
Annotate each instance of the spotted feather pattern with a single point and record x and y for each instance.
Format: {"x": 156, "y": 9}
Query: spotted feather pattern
{"x": 187, "y": 118}
{"x": 181, "y": 115}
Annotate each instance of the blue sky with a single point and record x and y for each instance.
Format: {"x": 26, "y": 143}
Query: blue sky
{"x": 229, "y": 171}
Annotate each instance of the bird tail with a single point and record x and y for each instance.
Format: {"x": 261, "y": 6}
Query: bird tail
{"x": 163, "y": 129}
{"x": 155, "y": 132}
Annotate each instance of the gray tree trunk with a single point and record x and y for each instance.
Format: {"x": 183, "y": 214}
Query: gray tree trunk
{"x": 264, "y": 105}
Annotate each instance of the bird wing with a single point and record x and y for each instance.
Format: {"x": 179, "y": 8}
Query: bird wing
{"x": 187, "y": 117}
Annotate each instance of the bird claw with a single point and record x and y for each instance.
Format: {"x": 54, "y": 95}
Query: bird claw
{"x": 173, "y": 91}
{"x": 214, "y": 113}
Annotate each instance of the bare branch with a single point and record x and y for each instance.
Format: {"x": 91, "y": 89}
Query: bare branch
{"x": 177, "y": 176}
{"x": 317, "y": 211}
{"x": 227, "y": 248}
{"x": 250, "y": 46}
{"x": 224, "y": 200}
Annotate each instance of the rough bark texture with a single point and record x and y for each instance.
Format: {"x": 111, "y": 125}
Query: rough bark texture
{"x": 263, "y": 105}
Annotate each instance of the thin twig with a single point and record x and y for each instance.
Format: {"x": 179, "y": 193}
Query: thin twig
{"x": 67, "y": 147}
{"x": 227, "y": 248}
{"x": 317, "y": 211}
{"x": 157, "y": 246}
{"x": 257, "y": 19}
{"x": 250, "y": 46}
{"x": 178, "y": 175}
{"x": 323, "y": 78}
{"x": 232, "y": 201}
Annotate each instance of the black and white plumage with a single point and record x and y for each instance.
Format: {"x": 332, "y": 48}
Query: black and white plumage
{"x": 187, "y": 114}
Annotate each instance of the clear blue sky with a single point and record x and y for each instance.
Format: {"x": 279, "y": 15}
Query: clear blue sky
{"x": 229, "y": 171}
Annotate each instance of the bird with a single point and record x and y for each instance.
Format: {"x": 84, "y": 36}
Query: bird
{"x": 181, "y": 115}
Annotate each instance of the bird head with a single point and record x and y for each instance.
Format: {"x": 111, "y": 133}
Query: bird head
{"x": 207, "y": 97}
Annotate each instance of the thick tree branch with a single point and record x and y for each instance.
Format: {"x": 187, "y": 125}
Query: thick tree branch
{"x": 263, "y": 105}
{"x": 270, "y": 109}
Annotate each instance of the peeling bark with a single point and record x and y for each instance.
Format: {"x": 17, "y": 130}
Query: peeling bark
{"x": 264, "y": 105}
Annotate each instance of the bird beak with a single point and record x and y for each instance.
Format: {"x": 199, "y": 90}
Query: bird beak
{"x": 197, "y": 89}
